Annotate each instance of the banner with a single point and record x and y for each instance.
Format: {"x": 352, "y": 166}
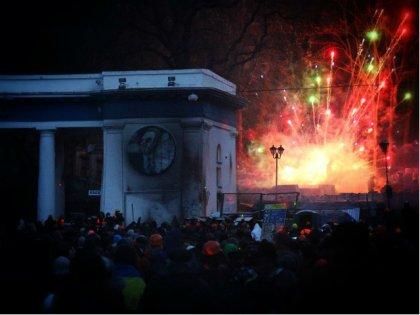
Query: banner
{"x": 273, "y": 219}
{"x": 270, "y": 206}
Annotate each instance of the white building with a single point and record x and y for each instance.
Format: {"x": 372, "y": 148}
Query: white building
{"x": 169, "y": 137}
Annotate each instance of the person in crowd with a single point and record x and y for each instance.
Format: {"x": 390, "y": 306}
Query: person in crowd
{"x": 157, "y": 256}
{"x": 127, "y": 277}
{"x": 59, "y": 281}
{"x": 181, "y": 289}
{"x": 90, "y": 288}
{"x": 211, "y": 266}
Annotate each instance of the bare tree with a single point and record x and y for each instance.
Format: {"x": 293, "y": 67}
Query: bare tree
{"x": 221, "y": 34}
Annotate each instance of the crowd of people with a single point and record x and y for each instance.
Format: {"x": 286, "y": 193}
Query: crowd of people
{"x": 209, "y": 265}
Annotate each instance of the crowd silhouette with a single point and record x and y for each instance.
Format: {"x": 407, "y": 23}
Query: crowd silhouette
{"x": 99, "y": 265}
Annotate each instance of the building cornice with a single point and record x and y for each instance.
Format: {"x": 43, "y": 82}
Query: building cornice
{"x": 82, "y": 84}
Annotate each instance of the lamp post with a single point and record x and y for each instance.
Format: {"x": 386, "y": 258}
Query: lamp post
{"x": 276, "y": 153}
{"x": 388, "y": 190}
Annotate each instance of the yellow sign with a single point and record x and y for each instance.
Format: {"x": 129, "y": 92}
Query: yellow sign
{"x": 272, "y": 206}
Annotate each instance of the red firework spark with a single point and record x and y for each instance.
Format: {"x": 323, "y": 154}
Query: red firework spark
{"x": 331, "y": 130}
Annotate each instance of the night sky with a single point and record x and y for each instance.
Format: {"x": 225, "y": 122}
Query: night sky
{"x": 236, "y": 39}
{"x": 259, "y": 45}
{"x": 89, "y": 36}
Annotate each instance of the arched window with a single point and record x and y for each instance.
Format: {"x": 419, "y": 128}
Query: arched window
{"x": 219, "y": 154}
{"x": 219, "y": 168}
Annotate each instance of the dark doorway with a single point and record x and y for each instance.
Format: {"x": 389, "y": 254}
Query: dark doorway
{"x": 18, "y": 173}
{"x": 82, "y": 171}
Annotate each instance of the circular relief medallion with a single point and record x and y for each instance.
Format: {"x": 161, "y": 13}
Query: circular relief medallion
{"x": 151, "y": 150}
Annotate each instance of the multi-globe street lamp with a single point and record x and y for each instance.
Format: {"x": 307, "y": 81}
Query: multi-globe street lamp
{"x": 276, "y": 153}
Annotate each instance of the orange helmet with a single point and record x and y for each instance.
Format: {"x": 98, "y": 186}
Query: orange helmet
{"x": 156, "y": 240}
{"x": 211, "y": 248}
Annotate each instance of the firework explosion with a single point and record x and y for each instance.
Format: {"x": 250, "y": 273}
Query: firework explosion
{"x": 331, "y": 130}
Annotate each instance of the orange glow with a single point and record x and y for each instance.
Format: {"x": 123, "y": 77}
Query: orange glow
{"x": 331, "y": 135}
{"x": 332, "y": 163}
{"x": 382, "y": 85}
{"x": 331, "y": 53}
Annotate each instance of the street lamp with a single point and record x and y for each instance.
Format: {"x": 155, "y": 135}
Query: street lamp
{"x": 388, "y": 190}
{"x": 276, "y": 153}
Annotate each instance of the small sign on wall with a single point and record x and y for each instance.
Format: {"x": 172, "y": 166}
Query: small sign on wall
{"x": 275, "y": 206}
{"x": 94, "y": 192}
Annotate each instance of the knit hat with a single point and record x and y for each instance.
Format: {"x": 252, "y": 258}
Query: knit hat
{"x": 141, "y": 239}
{"x": 81, "y": 241}
{"x": 116, "y": 238}
{"x": 230, "y": 248}
{"x": 211, "y": 248}
{"x": 156, "y": 240}
{"x": 61, "y": 266}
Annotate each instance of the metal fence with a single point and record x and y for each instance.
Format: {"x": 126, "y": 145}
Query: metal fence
{"x": 251, "y": 202}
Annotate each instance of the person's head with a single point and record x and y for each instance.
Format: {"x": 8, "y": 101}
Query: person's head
{"x": 281, "y": 240}
{"x": 21, "y": 225}
{"x": 81, "y": 241}
{"x": 212, "y": 255}
{"x": 175, "y": 223}
{"x": 230, "y": 248}
{"x": 61, "y": 266}
{"x": 92, "y": 241}
{"x": 156, "y": 240}
{"x": 152, "y": 224}
{"x": 326, "y": 228}
{"x": 165, "y": 226}
{"x": 115, "y": 239}
{"x": 302, "y": 238}
{"x": 141, "y": 241}
{"x": 288, "y": 261}
{"x": 130, "y": 233}
{"x": 88, "y": 267}
{"x": 211, "y": 248}
{"x": 267, "y": 249}
{"x": 180, "y": 255}
{"x": 125, "y": 254}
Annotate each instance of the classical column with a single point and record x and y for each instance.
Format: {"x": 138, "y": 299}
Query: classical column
{"x": 208, "y": 195}
{"x": 112, "y": 175}
{"x": 46, "y": 176}
{"x": 59, "y": 184}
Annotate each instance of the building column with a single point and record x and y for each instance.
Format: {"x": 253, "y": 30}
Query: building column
{"x": 59, "y": 170}
{"x": 112, "y": 196}
{"x": 46, "y": 176}
{"x": 208, "y": 197}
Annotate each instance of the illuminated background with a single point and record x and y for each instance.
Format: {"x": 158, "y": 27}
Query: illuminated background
{"x": 327, "y": 79}
{"x": 332, "y": 116}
